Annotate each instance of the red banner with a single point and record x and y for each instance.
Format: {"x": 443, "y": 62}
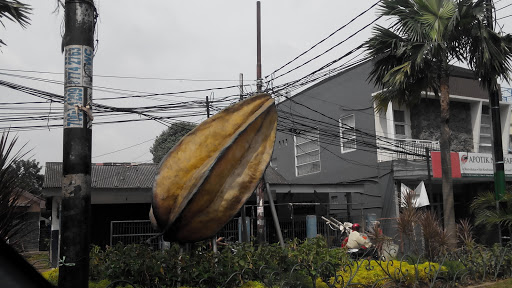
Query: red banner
{"x": 437, "y": 171}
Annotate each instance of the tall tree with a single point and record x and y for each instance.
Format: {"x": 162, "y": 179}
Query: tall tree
{"x": 29, "y": 174}
{"x": 168, "y": 138}
{"x": 14, "y": 11}
{"x": 415, "y": 52}
{"x": 414, "y": 55}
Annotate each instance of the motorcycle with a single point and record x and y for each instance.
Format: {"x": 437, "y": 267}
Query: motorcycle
{"x": 336, "y": 225}
{"x": 358, "y": 254}
{"x": 346, "y": 228}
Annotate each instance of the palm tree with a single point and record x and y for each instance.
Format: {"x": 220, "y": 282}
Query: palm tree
{"x": 12, "y": 224}
{"x": 414, "y": 55}
{"x": 484, "y": 209}
{"x": 15, "y": 11}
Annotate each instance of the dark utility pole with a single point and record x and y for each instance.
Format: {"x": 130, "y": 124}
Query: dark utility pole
{"x": 77, "y": 45}
{"x": 241, "y": 86}
{"x": 207, "y": 107}
{"x": 429, "y": 192}
{"x": 499, "y": 165}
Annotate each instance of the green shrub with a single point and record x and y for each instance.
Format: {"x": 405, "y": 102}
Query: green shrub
{"x": 141, "y": 265}
{"x": 253, "y": 284}
{"x": 100, "y": 284}
{"x": 309, "y": 259}
{"x": 382, "y": 273}
{"x": 52, "y": 276}
{"x": 454, "y": 268}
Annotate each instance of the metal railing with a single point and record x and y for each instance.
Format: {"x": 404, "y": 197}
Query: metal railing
{"x": 133, "y": 232}
{"x": 230, "y": 231}
{"x": 393, "y": 149}
{"x": 139, "y": 231}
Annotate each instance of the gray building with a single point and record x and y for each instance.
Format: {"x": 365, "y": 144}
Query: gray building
{"x": 332, "y": 143}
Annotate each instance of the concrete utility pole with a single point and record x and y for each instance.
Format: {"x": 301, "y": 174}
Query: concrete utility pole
{"x": 260, "y": 227}
{"x": 78, "y": 46}
{"x": 260, "y": 214}
{"x": 259, "y": 82}
{"x": 243, "y": 226}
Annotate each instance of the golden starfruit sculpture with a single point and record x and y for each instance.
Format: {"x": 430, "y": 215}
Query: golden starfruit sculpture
{"x": 208, "y": 175}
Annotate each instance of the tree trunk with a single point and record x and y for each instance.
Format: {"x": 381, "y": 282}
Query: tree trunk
{"x": 445, "y": 145}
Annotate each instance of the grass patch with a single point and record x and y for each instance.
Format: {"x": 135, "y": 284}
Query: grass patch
{"x": 40, "y": 260}
{"x": 501, "y": 284}
{"x": 36, "y": 256}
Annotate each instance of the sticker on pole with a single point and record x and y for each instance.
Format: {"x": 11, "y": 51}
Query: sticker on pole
{"x": 78, "y": 66}
{"x": 73, "y": 116}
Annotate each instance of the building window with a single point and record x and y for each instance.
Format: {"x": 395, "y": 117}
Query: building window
{"x": 348, "y": 133}
{"x": 399, "y": 118}
{"x": 485, "y": 110}
{"x": 307, "y": 153}
{"x": 485, "y": 145}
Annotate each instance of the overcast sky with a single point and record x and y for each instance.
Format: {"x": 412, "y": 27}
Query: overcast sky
{"x": 194, "y": 40}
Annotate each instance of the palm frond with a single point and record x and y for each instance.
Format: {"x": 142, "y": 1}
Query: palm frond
{"x": 11, "y": 220}
{"x": 15, "y": 11}
{"x": 486, "y": 213}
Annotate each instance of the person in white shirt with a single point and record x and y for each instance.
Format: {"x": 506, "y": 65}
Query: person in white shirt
{"x": 358, "y": 240}
{"x": 361, "y": 242}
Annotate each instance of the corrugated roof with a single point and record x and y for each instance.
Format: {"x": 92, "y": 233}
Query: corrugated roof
{"x": 108, "y": 175}
{"x": 126, "y": 175}
{"x": 274, "y": 177}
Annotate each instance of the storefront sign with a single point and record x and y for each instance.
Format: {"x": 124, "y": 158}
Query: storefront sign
{"x": 481, "y": 164}
{"x": 465, "y": 164}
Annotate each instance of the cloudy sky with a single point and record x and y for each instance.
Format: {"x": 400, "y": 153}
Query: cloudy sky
{"x": 164, "y": 47}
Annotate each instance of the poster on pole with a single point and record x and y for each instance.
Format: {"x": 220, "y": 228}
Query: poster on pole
{"x": 73, "y": 98}
{"x": 78, "y": 61}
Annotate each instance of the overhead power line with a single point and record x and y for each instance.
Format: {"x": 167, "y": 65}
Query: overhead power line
{"x": 296, "y": 122}
{"x": 297, "y": 81}
{"x": 130, "y": 77}
{"x": 323, "y": 40}
{"x": 126, "y": 95}
{"x": 330, "y": 49}
{"x": 126, "y": 148}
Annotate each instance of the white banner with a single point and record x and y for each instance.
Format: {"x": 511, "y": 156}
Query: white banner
{"x": 475, "y": 164}
{"x": 419, "y": 197}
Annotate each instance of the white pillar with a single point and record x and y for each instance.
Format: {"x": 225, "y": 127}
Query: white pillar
{"x": 55, "y": 234}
